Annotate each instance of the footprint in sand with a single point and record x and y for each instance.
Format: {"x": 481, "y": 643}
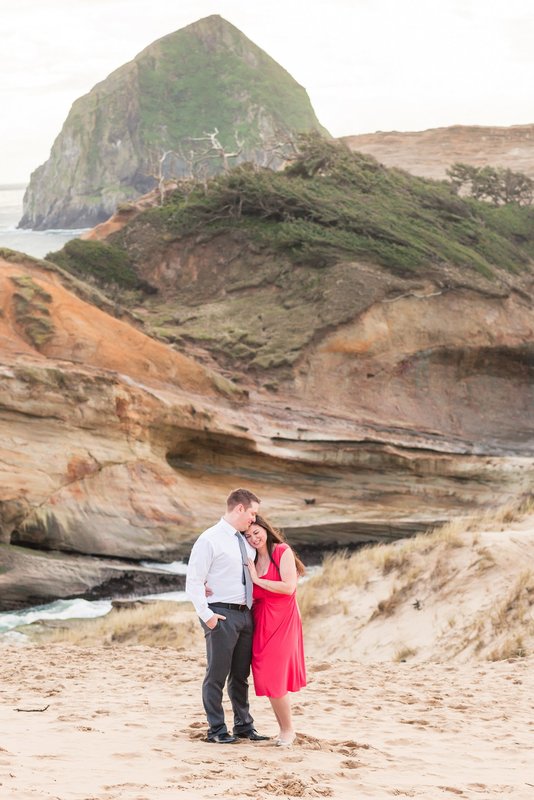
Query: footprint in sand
{"x": 128, "y": 756}
{"x": 48, "y": 756}
{"x": 309, "y": 742}
{"x": 350, "y": 764}
{"x": 166, "y": 753}
{"x": 419, "y": 723}
{"x": 291, "y": 786}
{"x": 195, "y": 731}
{"x": 120, "y": 786}
{"x": 350, "y": 744}
{"x": 321, "y": 667}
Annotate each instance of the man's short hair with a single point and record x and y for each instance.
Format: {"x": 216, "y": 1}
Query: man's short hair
{"x": 241, "y": 496}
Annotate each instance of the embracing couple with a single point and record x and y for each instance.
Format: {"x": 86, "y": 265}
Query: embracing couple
{"x": 242, "y": 579}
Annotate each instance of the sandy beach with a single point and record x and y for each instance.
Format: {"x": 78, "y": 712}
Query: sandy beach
{"x": 126, "y": 722}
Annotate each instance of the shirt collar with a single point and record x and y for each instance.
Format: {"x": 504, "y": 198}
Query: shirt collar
{"x": 227, "y": 527}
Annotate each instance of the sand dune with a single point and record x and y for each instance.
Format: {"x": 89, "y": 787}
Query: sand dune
{"x": 453, "y": 596}
{"x": 109, "y": 718}
{"x": 126, "y": 722}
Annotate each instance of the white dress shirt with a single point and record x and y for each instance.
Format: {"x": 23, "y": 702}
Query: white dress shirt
{"x": 216, "y": 559}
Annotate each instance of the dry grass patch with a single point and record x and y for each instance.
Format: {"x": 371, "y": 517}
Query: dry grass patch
{"x": 517, "y": 607}
{"x": 513, "y": 511}
{"x": 158, "y": 624}
{"x": 404, "y": 559}
{"x": 513, "y": 647}
{"x": 409, "y": 574}
{"x": 508, "y": 628}
{"x": 403, "y": 653}
{"x": 389, "y": 605}
{"x": 466, "y": 578}
{"x": 321, "y": 592}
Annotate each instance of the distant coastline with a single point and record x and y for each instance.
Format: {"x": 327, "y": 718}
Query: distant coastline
{"x": 35, "y": 243}
{"x": 10, "y": 187}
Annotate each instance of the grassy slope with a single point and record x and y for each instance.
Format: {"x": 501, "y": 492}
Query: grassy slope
{"x": 333, "y": 204}
{"x": 314, "y": 246}
{"x": 209, "y": 75}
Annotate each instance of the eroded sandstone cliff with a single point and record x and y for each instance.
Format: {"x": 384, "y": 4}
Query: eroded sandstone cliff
{"x": 430, "y": 153}
{"x": 368, "y": 380}
{"x": 117, "y": 448}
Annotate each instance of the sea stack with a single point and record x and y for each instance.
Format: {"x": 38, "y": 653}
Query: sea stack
{"x": 142, "y": 123}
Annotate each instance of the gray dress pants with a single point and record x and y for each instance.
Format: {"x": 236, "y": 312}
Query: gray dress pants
{"x": 228, "y": 654}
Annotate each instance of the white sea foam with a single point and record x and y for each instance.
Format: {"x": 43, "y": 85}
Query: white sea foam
{"x": 59, "y": 609}
{"x": 84, "y": 609}
{"x": 176, "y": 567}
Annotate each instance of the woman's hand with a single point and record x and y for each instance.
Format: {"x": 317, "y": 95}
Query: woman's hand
{"x": 252, "y": 570}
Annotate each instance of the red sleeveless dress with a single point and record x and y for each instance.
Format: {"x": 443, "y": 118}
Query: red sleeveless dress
{"x": 277, "y": 646}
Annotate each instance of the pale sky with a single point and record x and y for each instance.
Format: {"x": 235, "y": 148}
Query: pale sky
{"x": 367, "y": 65}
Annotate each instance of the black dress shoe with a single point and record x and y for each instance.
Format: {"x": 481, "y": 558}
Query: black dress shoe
{"x": 222, "y": 738}
{"x": 253, "y": 735}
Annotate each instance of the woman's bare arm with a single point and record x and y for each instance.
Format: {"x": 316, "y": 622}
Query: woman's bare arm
{"x": 288, "y": 575}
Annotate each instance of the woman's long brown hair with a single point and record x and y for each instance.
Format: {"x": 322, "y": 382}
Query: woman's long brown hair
{"x": 275, "y": 536}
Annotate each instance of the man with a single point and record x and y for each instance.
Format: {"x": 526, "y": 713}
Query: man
{"x": 217, "y": 560}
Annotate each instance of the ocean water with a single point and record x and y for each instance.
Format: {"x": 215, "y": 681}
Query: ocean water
{"x": 59, "y": 609}
{"x": 87, "y": 609}
{"x": 77, "y": 608}
{"x": 34, "y": 243}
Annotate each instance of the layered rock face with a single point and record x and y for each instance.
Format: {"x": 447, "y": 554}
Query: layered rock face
{"x": 430, "y": 153}
{"x": 145, "y": 120}
{"x": 83, "y": 452}
{"x": 353, "y": 344}
{"x": 117, "y": 448}
{"x": 456, "y": 363}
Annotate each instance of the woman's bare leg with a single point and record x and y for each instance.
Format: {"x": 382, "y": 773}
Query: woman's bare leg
{"x": 282, "y": 711}
{"x": 277, "y": 717}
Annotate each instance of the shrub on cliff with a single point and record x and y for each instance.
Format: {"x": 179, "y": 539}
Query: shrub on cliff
{"x": 492, "y": 184}
{"x": 330, "y": 204}
{"x": 103, "y": 263}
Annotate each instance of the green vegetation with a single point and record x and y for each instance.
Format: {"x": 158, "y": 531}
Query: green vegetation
{"x": 333, "y": 204}
{"x": 30, "y": 302}
{"x": 259, "y": 262}
{"x": 209, "y": 75}
{"x": 104, "y": 263}
{"x": 494, "y": 184}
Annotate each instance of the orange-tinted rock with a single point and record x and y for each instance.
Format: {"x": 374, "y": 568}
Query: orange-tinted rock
{"x": 117, "y": 446}
{"x": 429, "y": 153}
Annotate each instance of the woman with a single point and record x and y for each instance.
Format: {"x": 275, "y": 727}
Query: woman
{"x": 277, "y": 648}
